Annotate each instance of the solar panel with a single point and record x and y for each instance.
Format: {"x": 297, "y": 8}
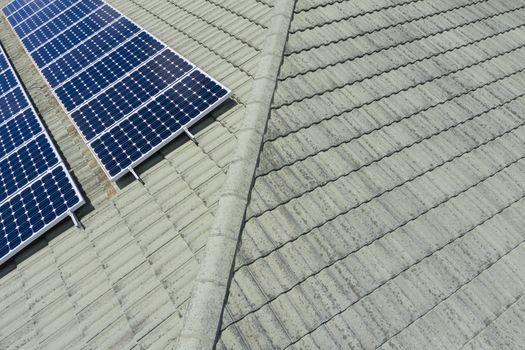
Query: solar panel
{"x": 127, "y": 93}
{"x": 36, "y": 191}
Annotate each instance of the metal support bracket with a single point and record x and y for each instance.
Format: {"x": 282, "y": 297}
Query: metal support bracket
{"x": 190, "y": 135}
{"x": 75, "y": 220}
{"x": 135, "y": 175}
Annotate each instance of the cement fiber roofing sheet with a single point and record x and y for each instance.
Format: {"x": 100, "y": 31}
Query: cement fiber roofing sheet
{"x": 125, "y": 279}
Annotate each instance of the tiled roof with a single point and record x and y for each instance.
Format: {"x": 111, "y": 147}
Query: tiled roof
{"x": 375, "y": 196}
{"x": 387, "y": 207}
{"x": 124, "y": 281}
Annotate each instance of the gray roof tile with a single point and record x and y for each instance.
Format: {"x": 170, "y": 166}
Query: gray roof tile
{"x": 389, "y": 182}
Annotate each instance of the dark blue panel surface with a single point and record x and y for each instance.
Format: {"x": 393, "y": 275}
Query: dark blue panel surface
{"x": 108, "y": 70}
{"x": 7, "y": 81}
{"x": 25, "y": 165}
{"x": 60, "y": 23}
{"x": 137, "y": 135}
{"x": 35, "y": 190}
{"x": 18, "y": 130}
{"x": 126, "y": 92}
{"x": 27, "y": 11}
{"x": 89, "y": 51}
{"x": 3, "y": 63}
{"x": 73, "y": 36}
{"x": 27, "y": 214}
{"x": 12, "y": 103}
{"x": 14, "y": 6}
{"x": 127, "y": 95}
{"x": 52, "y": 10}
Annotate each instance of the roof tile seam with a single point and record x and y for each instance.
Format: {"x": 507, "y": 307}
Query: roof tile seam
{"x": 66, "y": 287}
{"x": 429, "y": 58}
{"x": 418, "y": 176}
{"x": 402, "y": 224}
{"x": 461, "y": 286}
{"x": 354, "y": 15}
{"x": 327, "y": 180}
{"x": 415, "y": 19}
{"x": 410, "y": 41}
{"x": 201, "y": 44}
{"x": 32, "y": 313}
{"x": 492, "y": 322}
{"x": 202, "y": 321}
{"x": 251, "y": 20}
{"x": 376, "y": 99}
{"x": 219, "y": 28}
{"x": 430, "y": 254}
{"x": 328, "y": 3}
{"x": 445, "y": 101}
{"x": 194, "y": 189}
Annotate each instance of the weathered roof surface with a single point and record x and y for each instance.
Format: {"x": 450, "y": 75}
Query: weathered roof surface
{"x": 387, "y": 208}
{"x": 125, "y": 280}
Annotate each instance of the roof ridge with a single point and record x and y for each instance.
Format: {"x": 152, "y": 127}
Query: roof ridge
{"x": 204, "y": 314}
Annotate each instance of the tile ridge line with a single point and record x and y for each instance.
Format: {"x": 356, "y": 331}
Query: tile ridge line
{"x": 204, "y": 314}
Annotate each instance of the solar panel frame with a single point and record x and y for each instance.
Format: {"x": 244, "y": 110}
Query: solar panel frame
{"x": 58, "y": 165}
{"x": 183, "y": 129}
{"x": 49, "y": 225}
{"x": 42, "y": 17}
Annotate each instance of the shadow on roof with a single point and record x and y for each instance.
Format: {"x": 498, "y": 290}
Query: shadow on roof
{"x": 178, "y": 142}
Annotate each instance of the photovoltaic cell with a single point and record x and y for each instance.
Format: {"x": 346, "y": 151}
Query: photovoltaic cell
{"x": 36, "y": 192}
{"x": 127, "y": 93}
{"x": 65, "y": 41}
{"x": 37, "y": 207}
{"x": 89, "y": 51}
{"x": 3, "y": 64}
{"x": 26, "y": 164}
{"x": 12, "y": 103}
{"x": 7, "y": 81}
{"x": 14, "y": 6}
{"x": 43, "y": 15}
{"x": 154, "y": 123}
{"x": 18, "y": 130}
{"x": 52, "y": 28}
{"x": 108, "y": 70}
{"x": 28, "y": 10}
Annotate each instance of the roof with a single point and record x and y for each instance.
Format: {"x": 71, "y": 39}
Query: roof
{"x": 125, "y": 279}
{"x": 386, "y": 210}
{"x": 363, "y": 190}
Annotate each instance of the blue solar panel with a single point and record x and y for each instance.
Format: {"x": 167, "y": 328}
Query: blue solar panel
{"x": 44, "y": 15}
{"x": 14, "y": 6}
{"x": 157, "y": 122}
{"x": 64, "y": 21}
{"x": 34, "y": 209}
{"x": 127, "y": 93}
{"x": 7, "y": 81}
{"x": 18, "y": 130}
{"x": 88, "y": 52}
{"x": 35, "y": 189}
{"x": 28, "y": 10}
{"x": 71, "y": 37}
{"x": 12, "y": 103}
{"x": 107, "y": 71}
{"x": 3, "y": 64}
{"x": 25, "y": 165}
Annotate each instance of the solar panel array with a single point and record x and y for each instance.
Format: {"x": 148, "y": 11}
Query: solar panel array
{"x": 127, "y": 93}
{"x": 36, "y": 191}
